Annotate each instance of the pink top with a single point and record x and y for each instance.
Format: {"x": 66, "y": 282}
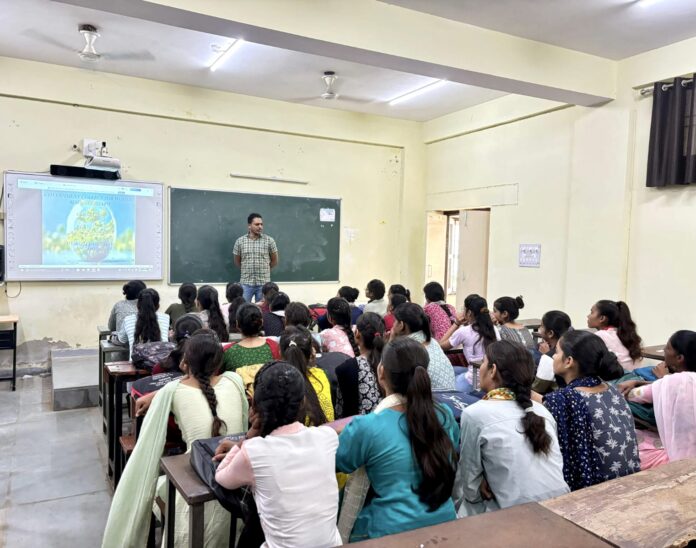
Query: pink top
{"x": 472, "y": 343}
{"x": 336, "y": 340}
{"x": 614, "y": 344}
{"x": 440, "y": 321}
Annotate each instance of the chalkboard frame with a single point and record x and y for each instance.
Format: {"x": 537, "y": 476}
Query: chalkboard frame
{"x": 171, "y": 188}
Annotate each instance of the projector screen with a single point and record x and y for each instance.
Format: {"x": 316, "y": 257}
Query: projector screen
{"x": 66, "y": 228}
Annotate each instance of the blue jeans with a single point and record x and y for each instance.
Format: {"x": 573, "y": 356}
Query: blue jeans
{"x": 252, "y": 291}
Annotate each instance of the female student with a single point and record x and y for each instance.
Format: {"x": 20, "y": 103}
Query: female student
{"x": 274, "y": 321}
{"x": 231, "y": 316}
{"x": 184, "y": 328}
{"x": 357, "y": 377}
{"x": 674, "y": 401}
{"x": 412, "y": 322}
{"x": 233, "y": 291}
{"x": 289, "y": 466}
{"x": 394, "y": 301}
{"x": 187, "y": 296}
{"x": 296, "y": 348}
{"x": 505, "y": 311}
{"x": 509, "y": 451}
{"x": 253, "y": 349}
{"x": 350, "y": 294}
{"x": 375, "y": 293}
{"x": 554, "y": 324}
{"x": 618, "y": 331}
{"x": 147, "y": 325}
{"x": 209, "y": 310}
{"x": 205, "y": 403}
{"x": 595, "y": 426}
{"x": 398, "y": 289}
{"x": 268, "y": 290}
{"x": 407, "y": 447}
{"x": 126, "y": 307}
{"x": 442, "y": 315}
{"x": 340, "y": 337}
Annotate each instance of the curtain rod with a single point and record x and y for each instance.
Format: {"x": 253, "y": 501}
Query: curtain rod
{"x": 647, "y": 89}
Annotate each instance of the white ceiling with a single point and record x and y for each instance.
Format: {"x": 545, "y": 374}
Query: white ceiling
{"x": 45, "y": 31}
{"x": 615, "y": 29}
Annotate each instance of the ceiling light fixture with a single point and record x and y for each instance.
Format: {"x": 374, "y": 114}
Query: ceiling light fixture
{"x": 416, "y": 92}
{"x": 234, "y": 46}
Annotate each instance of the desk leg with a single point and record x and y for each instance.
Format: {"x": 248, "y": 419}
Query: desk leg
{"x": 110, "y": 427}
{"x": 101, "y": 375}
{"x": 171, "y": 513}
{"x": 118, "y": 427}
{"x": 196, "y": 529}
{"x": 14, "y": 357}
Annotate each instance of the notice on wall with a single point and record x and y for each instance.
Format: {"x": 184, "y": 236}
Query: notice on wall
{"x": 327, "y": 215}
{"x": 530, "y": 255}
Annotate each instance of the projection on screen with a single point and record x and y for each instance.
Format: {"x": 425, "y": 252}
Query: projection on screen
{"x": 60, "y": 228}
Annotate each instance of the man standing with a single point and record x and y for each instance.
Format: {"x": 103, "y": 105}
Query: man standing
{"x": 255, "y": 254}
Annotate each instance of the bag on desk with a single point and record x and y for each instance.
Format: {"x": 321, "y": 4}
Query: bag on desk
{"x": 236, "y": 501}
{"x": 148, "y": 355}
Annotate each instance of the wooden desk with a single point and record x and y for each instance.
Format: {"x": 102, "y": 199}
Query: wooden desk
{"x": 106, "y": 350}
{"x": 181, "y": 477}
{"x": 530, "y": 323}
{"x": 656, "y": 352}
{"x": 116, "y": 375}
{"x": 520, "y": 526}
{"x": 8, "y": 341}
{"x": 653, "y": 508}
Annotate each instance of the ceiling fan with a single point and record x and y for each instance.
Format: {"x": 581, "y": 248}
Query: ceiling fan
{"x": 330, "y": 93}
{"x": 90, "y": 33}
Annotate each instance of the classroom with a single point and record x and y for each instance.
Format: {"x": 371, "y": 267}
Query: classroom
{"x": 322, "y": 185}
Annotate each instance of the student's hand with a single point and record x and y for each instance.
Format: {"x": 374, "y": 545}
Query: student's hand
{"x": 255, "y": 424}
{"x": 544, "y": 347}
{"x": 535, "y": 396}
{"x": 142, "y": 404}
{"x": 486, "y": 493}
{"x": 626, "y": 387}
{"x": 224, "y": 448}
{"x": 660, "y": 370}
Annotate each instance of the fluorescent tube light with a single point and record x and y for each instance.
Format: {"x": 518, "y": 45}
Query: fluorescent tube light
{"x": 234, "y": 46}
{"x": 416, "y": 92}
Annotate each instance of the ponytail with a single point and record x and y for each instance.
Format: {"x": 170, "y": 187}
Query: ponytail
{"x": 147, "y": 327}
{"x": 338, "y": 310}
{"x": 415, "y": 318}
{"x": 627, "y": 331}
{"x": 591, "y": 354}
{"x": 296, "y": 349}
{"x": 405, "y": 365}
{"x": 482, "y": 324}
{"x": 184, "y": 328}
{"x": 516, "y": 369}
{"x": 208, "y": 299}
{"x": 372, "y": 330}
{"x": 187, "y": 295}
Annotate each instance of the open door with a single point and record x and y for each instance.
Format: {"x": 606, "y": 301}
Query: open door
{"x": 435, "y": 249}
{"x": 472, "y": 275}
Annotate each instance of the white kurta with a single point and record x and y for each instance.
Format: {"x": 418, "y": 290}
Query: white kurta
{"x": 494, "y": 446}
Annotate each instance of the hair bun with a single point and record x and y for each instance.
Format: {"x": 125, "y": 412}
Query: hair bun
{"x": 519, "y": 301}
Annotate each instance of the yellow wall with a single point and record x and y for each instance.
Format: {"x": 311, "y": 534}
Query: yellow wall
{"x": 191, "y": 137}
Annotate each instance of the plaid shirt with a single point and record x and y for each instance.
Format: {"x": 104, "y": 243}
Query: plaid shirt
{"x": 256, "y": 258}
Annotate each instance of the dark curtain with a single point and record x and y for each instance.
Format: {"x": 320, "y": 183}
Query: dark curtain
{"x": 672, "y": 152}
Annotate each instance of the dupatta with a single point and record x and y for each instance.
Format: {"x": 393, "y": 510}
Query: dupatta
{"x": 674, "y": 402}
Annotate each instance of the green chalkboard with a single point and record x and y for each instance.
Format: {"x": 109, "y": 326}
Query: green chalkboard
{"x": 204, "y": 224}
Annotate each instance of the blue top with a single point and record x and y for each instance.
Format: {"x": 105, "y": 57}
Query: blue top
{"x": 380, "y": 442}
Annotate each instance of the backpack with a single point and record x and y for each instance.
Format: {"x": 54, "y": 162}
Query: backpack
{"x": 147, "y": 355}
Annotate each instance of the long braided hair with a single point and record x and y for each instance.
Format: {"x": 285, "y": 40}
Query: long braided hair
{"x": 339, "y": 313}
{"x": 279, "y": 395}
{"x": 208, "y": 299}
{"x": 203, "y": 356}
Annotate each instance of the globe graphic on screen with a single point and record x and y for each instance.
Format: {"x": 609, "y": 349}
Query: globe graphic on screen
{"x": 91, "y": 230}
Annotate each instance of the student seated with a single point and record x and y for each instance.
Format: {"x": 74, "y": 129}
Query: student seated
{"x": 412, "y": 322}
{"x": 394, "y": 301}
{"x": 253, "y": 349}
{"x": 268, "y": 290}
{"x": 205, "y": 403}
{"x": 407, "y": 446}
{"x": 124, "y": 308}
{"x": 509, "y": 451}
{"x": 296, "y": 348}
{"x": 359, "y": 391}
{"x": 474, "y": 333}
{"x": 554, "y": 324}
{"x": 505, "y": 311}
{"x": 187, "y": 296}
{"x": 375, "y": 291}
{"x": 673, "y": 398}
{"x": 398, "y": 289}
{"x": 231, "y": 317}
{"x": 147, "y": 325}
{"x": 442, "y": 315}
{"x": 595, "y": 426}
{"x": 290, "y": 467}
{"x": 618, "y": 331}
{"x": 350, "y": 294}
{"x": 209, "y": 311}
{"x": 233, "y": 291}
{"x": 340, "y": 337}
{"x": 184, "y": 328}
{"x": 274, "y": 321}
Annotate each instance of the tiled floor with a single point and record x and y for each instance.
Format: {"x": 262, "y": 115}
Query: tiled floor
{"x": 53, "y": 488}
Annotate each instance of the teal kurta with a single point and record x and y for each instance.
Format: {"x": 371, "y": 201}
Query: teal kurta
{"x": 380, "y": 442}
